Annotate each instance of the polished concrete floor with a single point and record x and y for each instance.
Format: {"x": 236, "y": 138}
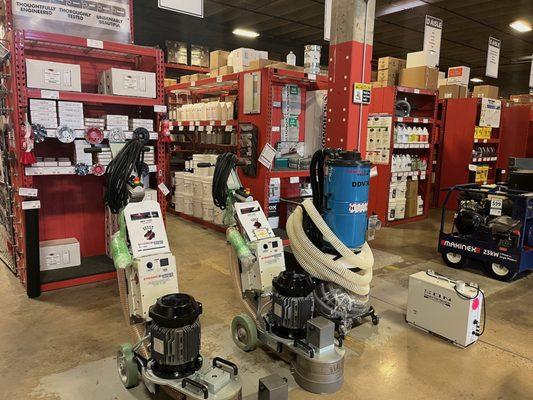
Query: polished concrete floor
{"x": 62, "y": 345}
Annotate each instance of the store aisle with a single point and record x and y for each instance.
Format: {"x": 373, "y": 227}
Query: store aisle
{"x": 61, "y": 346}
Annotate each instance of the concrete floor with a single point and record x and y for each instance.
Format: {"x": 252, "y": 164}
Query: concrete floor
{"x": 62, "y": 345}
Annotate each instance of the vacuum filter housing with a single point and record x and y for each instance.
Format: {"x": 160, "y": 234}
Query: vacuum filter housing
{"x": 175, "y": 336}
{"x": 292, "y": 304}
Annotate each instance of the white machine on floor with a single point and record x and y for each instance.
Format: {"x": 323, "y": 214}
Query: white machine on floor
{"x": 450, "y": 309}
{"x": 153, "y": 272}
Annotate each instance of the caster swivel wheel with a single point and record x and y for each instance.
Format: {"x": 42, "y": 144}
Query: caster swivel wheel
{"x": 500, "y": 272}
{"x": 375, "y": 320}
{"x": 127, "y": 366}
{"x": 454, "y": 260}
{"x": 244, "y": 332}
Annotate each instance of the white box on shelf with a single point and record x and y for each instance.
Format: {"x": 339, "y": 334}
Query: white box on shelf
{"x": 422, "y": 59}
{"x": 53, "y": 75}
{"x": 71, "y": 114}
{"x": 135, "y": 123}
{"x": 57, "y": 254}
{"x": 459, "y": 76}
{"x": 43, "y": 112}
{"x": 125, "y": 82}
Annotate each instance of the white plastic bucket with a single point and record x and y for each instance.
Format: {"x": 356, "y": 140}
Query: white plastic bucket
{"x": 207, "y": 184}
{"x": 179, "y": 203}
{"x": 197, "y": 208}
{"x": 179, "y": 181}
{"x": 207, "y": 210}
{"x": 187, "y": 184}
{"x": 218, "y": 216}
{"x": 197, "y": 188}
{"x": 188, "y": 207}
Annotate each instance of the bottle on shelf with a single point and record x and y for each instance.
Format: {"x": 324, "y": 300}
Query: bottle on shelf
{"x": 291, "y": 58}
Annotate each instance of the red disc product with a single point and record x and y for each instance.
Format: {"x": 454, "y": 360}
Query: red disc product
{"x": 98, "y": 170}
{"x": 94, "y": 135}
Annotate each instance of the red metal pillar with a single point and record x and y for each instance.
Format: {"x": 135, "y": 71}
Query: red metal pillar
{"x": 350, "y": 55}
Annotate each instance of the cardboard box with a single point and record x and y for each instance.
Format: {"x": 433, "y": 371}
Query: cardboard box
{"x": 176, "y": 52}
{"x": 388, "y": 77}
{"x": 411, "y": 194}
{"x": 53, "y": 75}
{"x": 374, "y": 76}
{"x": 376, "y": 84}
{"x": 522, "y": 98}
{"x": 452, "y": 92}
{"x": 57, "y": 254}
{"x": 125, "y": 82}
{"x": 170, "y": 82}
{"x": 218, "y": 58}
{"x": 459, "y": 75}
{"x": 488, "y": 91}
{"x": 199, "y": 56}
{"x": 420, "y": 78}
{"x": 214, "y": 72}
{"x": 282, "y": 65}
{"x": 185, "y": 78}
{"x": 391, "y": 63}
{"x": 240, "y": 58}
{"x": 260, "y": 63}
{"x": 225, "y": 70}
{"x": 442, "y": 82}
{"x": 422, "y": 59}
{"x": 197, "y": 77}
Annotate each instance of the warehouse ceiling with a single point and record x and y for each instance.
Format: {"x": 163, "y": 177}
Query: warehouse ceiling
{"x": 290, "y": 24}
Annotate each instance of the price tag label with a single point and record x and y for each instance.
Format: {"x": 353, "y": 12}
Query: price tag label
{"x": 201, "y": 128}
{"x": 50, "y": 94}
{"x": 399, "y": 119}
{"x": 417, "y": 91}
{"x": 191, "y": 127}
{"x": 31, "y": 205}
{"x": 193, "y": 83}
{"x": 425, "y": 120}
{"x": 275, "y": 129}
{"x": 219, "y": 79}
{"x": 28, "y": 192}
{"x": 423, "y": 175}
{"x": 312, "y": 77}
{"x": 415, "y": 120}
{"x": 95, "y": 44}
{"x": 163, "y": 189}
{"x": 228, "y": 128}
{"x": 496, "y": 207}
{"x": 211, "y": 123}
{"x": 197, "y": 123}
{"x": 209, "y": 128}
{"x": 223, "y": 123}
{"x": 415, "y": 177}
{"x": 294, "y": 179}
{"x": 160, "y": 108}
{"x": 276, "y": 104}
{"x": 180, "y": 128}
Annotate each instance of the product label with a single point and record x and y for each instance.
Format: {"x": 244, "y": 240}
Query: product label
{"x": 358, "y": 208}
{"x": 438, "y": 297}
{"x": 362, "y": 93}
{"x": 496, "y": 207}
{"x": 131, "y": 83}
{"x": 52, "y": 77}
{"x": 493, "y": 57}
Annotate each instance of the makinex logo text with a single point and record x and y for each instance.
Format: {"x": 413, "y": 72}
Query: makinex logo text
{"x": 460, "y": 246}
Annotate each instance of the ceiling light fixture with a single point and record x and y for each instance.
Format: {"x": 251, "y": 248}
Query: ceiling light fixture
{"x": 521, "y": 26}
{"x": 476, "y": 80}
{"x": 245, "y": 33}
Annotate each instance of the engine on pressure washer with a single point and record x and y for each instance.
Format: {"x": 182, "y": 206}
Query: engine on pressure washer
{"x": 488, "y": 219}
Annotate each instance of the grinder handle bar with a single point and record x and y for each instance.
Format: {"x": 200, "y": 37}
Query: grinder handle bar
{"x": 198, "y": 385}
{"x": 218, "y": 360}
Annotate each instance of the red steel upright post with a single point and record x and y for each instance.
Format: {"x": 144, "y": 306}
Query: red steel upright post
{"x": 350, "y": 55}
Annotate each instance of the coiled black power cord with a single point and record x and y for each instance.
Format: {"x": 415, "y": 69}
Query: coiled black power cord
{"x": 225, "y": 164}
{"x": 118, "y": 173}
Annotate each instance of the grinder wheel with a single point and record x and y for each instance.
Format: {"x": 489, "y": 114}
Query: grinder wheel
{"x": 244, "y": 332}
{"x": 127, "y": 366}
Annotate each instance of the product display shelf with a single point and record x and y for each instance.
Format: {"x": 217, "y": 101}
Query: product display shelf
{"x": 424, "y": 115}
{"x": 458, "y": 161}
{"x": 205, "y": 123}
{"x": 71, "y": 206}
{"x": 438, "y": 140}
{"x": 267, "y": 122}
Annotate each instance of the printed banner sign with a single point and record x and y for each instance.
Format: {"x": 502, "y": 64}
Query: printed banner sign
{"x": 103, "y": 19}
{"x": 189, "y": 7}
{"x": 493, "y": 57}
{"x": 433, "y": 35}
{"x": 327, "y": 20}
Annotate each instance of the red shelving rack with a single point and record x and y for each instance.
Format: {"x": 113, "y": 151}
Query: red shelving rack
{"x": 186, "y": 69}
{"x": 71, "y": 205}
{"x": 423, "y": 113}
{"x": 461, "y": 118}
{"x": 266, "y": 121}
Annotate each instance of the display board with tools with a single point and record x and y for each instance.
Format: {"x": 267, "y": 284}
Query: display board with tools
{"x": 74, "y": 112}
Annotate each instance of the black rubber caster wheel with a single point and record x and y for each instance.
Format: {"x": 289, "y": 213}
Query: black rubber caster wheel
{"x": 454, "y": 260}
{"x": 500, "y": 272}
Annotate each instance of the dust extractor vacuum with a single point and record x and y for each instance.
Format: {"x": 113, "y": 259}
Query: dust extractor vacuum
{"x": 302, "y": 311}
{"x": 165, "y": 324}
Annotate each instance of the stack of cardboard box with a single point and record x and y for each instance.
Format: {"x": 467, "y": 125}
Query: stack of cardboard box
{"x": 487, "y": 91}
{"x": 522, "y": 98}
{"x": 218, "y": 61}
{"x": 456, "y": 86}
{"x": 411, "y": 205}
{"x": 388, "y": 71}
{"x": 420, "y": 71}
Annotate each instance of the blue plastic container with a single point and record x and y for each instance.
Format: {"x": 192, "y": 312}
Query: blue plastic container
{"x": 346, "y": 189}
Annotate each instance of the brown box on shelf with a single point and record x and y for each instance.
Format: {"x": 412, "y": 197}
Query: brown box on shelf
{"x": 376, "y": 84}
{"x": 411, "y": 205}
{"x": 522, "y": 98}
{"x": 388, "y": 77}
{"x": 225, "y": 70}
{"x": 374, "y": 76}
{"x": 391, "y": 63}
{"x": 199, "y": 56}
{"x": 218, "y": 58}
{"x": 177, "y": 52}
{"x": 261, "y": 63}
{"x": 420, "y": 77}
{"x": 185, "y": 78}
{"x": 487, "y": 91}
{"x": 197, "y": 77}
{"x": 282, "y": 65}
{"x": 452, "y": 92}
{"x": 214, "y": 72}
{"x": 170, "y": 82}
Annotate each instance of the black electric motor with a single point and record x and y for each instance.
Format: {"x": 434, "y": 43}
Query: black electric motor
{"x": 175, "y": 336}
{"x": 292, "y": 304}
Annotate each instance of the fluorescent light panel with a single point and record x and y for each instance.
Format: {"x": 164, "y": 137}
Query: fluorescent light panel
{"x": 245, "y": 33}
{"x": 521, "y": 26}
{"x": 476, "y": 80}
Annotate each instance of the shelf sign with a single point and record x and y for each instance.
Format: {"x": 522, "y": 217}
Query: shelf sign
{"x": 327, "y": 19}
{"x": 493, "y": 57}
{"x": 433, "y": 35}
{"x": 28, "y": 192}
{"x": 160, "y": 108}
{"x": 189, "y": 7}
{"x": 50, "y": 94}
{"x": 95, "y": 44}
{"x": 361, "y": 93}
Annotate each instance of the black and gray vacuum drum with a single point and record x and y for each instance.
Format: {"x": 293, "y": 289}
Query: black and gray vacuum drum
{"x": 175, "y": 336}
